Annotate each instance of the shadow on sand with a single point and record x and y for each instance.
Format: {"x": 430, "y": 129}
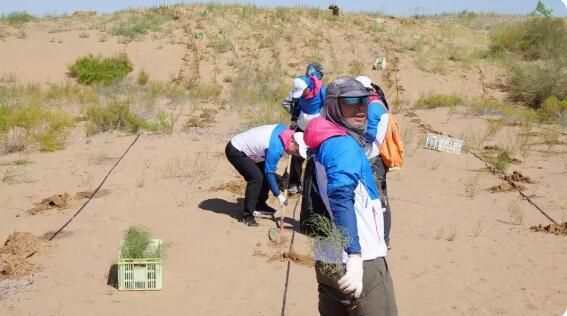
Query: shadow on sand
{"x": 221, "y": 206}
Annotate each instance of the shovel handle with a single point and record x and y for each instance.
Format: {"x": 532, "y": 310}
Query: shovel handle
{"x": 287, "y": 169}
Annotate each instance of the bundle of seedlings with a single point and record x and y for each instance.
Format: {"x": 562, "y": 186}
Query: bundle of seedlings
{"x": 328, "y": 240}
{"x": 138, "y": 244}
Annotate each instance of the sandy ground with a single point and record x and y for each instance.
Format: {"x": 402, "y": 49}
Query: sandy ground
{"x": 452, "y": 254}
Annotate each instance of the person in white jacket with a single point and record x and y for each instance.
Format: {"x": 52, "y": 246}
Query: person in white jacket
{"x": 376, "y": 127}
{"x": 352, "y": 201}
{"x": 255, "y": 154}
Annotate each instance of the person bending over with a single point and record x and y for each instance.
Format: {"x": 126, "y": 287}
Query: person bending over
{"x": 255, "y": 154}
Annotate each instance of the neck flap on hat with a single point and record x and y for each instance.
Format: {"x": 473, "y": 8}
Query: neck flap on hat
{"x": 344, "y": 86}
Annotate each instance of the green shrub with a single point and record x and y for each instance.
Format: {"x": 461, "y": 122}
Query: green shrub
{"x": 204, "y": 91}
{"x": 554, "y": 111}
{"x": 284, "y": 14}
{"x": 97, "y": 69}
{"x": 534, "y": 39}
{"x": 533, "y": 83}
{"x": 543, "y": 43}
{"x": 53, "y": 136}
{"x": 260, "y": 91}
{"x": 438, "y": 100}
{"x": 17, "y": 18}
{"x": 517, "y": 115}
{"x": 161, "y": 122}
{"x": 116, "y": 115}
{"x": 143, "y": 78}
{"x": 139, "y": 24}
{"x": 48, "y": 129}
{"x": 507, "y": 39}
{"x": 223, "y": 45}
{"x": 481, "y": 106}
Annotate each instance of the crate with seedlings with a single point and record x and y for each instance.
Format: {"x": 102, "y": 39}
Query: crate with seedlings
{"x": 140, "y": 264}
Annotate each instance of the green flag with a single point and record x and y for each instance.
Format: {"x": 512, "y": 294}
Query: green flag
{"x": 543, "y": 9}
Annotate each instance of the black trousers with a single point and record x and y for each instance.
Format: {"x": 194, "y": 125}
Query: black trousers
{"x": 296, "y": 168}
{"x": 257, "y": 189}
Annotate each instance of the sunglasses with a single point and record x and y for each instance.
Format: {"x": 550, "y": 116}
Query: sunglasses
{"x": 354, "y": 100}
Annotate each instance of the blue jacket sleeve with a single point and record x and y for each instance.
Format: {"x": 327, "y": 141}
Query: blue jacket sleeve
{"x": 375, "y": 111}
{"x": 341, "y": 201}
{"x": 272, "y": 157}
{"x": 343, "y": 177}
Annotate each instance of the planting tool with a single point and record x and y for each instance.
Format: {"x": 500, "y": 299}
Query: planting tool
{"x": 275, "y": 232}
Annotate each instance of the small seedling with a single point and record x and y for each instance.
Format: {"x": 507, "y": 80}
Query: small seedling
{"x": 140, "y": 181}
{"x": 550, "y": 138}
{"x": 435, "y": 164}
{"x": 478, "y": 228}
{"x": 472, "y": 186}
{"x": 515, "y": 213}
{"x": 135, "y": 245}
{"x": 329, "y": 239}
{"x": 21, "y": 162}
{"x": 451, "y": 234}
{"x": 14, "y": 175}
{"x": 143, "y": 77}
{"x": 494, "y": 126}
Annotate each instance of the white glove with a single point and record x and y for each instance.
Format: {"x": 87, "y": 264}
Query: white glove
{"x": 352, "y": 280}
{"x": 282, "y": 199}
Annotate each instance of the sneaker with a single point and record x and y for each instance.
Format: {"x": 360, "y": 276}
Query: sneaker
{"x": 294, "y": 189}
{"x": 248, "y": 220}
{"x": 265, "y": 209}
{"x": 388, "y": 245}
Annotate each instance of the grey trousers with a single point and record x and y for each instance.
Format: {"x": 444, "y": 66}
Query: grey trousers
{"x": 377, "y": 297}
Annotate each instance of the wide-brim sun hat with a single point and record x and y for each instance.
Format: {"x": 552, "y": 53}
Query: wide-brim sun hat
{"x": 299, "y": 85}
{"x": 298, "y": 137}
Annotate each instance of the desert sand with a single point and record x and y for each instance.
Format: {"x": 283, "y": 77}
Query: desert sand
{"x": 454, "y": 253}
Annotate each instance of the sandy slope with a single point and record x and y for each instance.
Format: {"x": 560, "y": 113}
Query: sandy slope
{"x": 452, "y": 254}
{"x": 490, "y": 267}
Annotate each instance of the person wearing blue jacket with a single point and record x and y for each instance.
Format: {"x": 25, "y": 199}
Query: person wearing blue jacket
{"x": 307, "y": 99}
{"x": 255, "y": 154}
{"x": 377, "y": 125}
{"x": 347, "y": 188}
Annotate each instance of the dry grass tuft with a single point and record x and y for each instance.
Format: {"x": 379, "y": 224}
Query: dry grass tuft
{"x": 472, "y": 185}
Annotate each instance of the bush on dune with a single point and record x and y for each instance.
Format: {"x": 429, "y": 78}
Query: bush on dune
{"x": 97, "y": 69}
{"x": 33, "y": 124}
{"x": 541, "y": 72}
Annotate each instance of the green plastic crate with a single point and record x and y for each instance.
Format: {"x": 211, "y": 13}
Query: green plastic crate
{"x": 141, "y": 274}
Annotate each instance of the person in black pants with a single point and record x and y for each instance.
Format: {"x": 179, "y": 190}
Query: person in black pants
{"x": 255, "y": 155}
{"x": 304, "y": 103}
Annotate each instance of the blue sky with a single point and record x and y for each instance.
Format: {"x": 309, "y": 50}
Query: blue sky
{"x": 406, "y": 7}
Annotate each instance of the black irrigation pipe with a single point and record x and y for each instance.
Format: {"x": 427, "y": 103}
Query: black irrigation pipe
{"x": 92, "y": 195}
{"x": 524, "y": 196}
{"x": 538, "y": 208}
{"x": 289, "y": 261}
